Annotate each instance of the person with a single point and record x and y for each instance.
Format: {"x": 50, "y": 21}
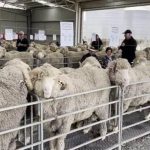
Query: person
{"x": 128, "y": 46}
{"x": 89, "y": 54}
{"x": 22, "y": 42}
{"x": 107, "y": 58}
{"x": 97, "y": 44}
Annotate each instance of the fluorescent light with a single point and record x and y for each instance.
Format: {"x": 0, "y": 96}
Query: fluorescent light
{"x": 41, "y": 1}
{"x": 45, "y": 3}
{"x": 147, "y": 8}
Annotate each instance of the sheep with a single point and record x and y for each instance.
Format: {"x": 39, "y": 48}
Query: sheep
{"x": 83, "y": 79}
{"x": 14, "y": 81}
{"x": 74, "y": 58}
{"x": 142, "y": 57}
{"x": 9, "y": 46}
{"x": 56, "y": 59}
{"x": 122, "y": 74}
{"x": 25, "y": 56}
{"x": 2, "y": 52}
{"x": 91, "y": 60}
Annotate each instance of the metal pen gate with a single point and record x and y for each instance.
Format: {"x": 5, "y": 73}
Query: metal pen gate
{"x": 31, "y": 134}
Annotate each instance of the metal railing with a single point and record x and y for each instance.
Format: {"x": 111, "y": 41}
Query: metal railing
{"x": 32, "y": 129}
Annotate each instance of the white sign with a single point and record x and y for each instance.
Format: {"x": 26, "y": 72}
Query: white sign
{"x": 54, "y": 37}
{"x": 36, "y": 36}
{"x": 15, "y": 36}
{"x": 31, "y": 37}
{"x": 93, "y": 37}
{"x": 41, "y": 35}
{"x": 114, "y": 37}
{"x": 67, "y": 34}
{"x": 42, "y": 32}
{"x": 9, "y": 35}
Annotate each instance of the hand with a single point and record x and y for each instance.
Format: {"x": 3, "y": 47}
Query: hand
{"x": 123, "y": 44}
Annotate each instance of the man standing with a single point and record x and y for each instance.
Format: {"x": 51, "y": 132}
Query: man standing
{"x": 98, "y": 43}
{"x": 128, "y": 46}
{"x": 22, "y": 43}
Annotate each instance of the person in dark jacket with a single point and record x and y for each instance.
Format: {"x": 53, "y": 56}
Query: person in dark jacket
{"x": 97, "y": 44}
{"x": 107, "y": 58}
{"x": 91, "y": 53}
{"x": 22, "y": 43}
{"x": 128, "y": 46}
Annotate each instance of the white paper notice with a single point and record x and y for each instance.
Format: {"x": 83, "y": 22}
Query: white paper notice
{"x": 93, "y": 37}
{"x": 31, "y": 37}
{"x": 15, "y": 36}
{"x": 41, "y": 35}
{"x": 54, "y": 37}
{"x": 9, "y": 35}
{"x": 114, "y": 37}
{"x": 36, "y": 36}
{"x": 67, "y": 34}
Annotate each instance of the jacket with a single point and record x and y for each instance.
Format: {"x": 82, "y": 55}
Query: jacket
{"x": 128, "y": 48}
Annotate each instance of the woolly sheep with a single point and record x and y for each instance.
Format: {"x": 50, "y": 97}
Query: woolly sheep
{"x": 74, "y": 58}
{"x": 142, "y": 56}
{"x": 14, "y": 81}
{"x": 8, "y": 45}
{"x": 122, "y": 74}
{"x": 46, "y": 86}
{"x": 2, "y": 52}
{"x": 24, "y": 56}
{"x": 56, "y": 59}
{"x": 91, "y": 60}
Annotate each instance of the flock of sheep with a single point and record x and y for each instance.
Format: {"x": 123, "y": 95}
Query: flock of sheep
{"x": 50, "y": 81}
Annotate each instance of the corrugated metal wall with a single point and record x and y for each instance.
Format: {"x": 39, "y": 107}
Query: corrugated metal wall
{"x": 14, "y": 19}
{"x": 49, "y": 19}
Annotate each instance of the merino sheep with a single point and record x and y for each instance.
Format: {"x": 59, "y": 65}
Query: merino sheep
{"x": 56, "y": 59}
{"x": 2, "y": 52}
{"x": 8, "y": 45}
{"x": 91, "y": 60}
{"x": 24, "y": 56}
{"x": 142, "y": 57}
{"x": 14, "y": 81}
{"x": 83, "y": 79}
{"x": 74, "y": 58}
{"x": 122, "y": 74}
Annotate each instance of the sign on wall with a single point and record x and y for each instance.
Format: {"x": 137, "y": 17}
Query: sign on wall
{"x": 9, "y": 35}
{"x": 114, "y": 37}
{"x": 66, "y": 34}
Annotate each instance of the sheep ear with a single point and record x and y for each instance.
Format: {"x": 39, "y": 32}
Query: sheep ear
{"x": 63, "y": 85}
{"x": 27, "y": 80}
{"x": 40, "y": 75}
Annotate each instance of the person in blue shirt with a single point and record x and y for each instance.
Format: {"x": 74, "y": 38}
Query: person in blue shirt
{"x": 107, "y": 58}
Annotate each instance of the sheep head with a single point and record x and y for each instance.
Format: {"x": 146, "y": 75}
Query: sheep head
{"x": 43, "y": 79}
{"x": 2, "y": 52}
{"x": 25, "y": 69}
{"x": 147, "y": 50}
{"x": 119, "y": 72}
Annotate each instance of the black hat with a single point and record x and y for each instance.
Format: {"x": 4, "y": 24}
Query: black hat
{"x": 127, "y": 31}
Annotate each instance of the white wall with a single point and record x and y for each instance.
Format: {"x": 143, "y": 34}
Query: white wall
{"x": 101, "y": 21}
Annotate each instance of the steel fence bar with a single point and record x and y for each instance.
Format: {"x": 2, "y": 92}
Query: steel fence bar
{"x": 79, "y": 129}
{"x": 78, "y": 111}
{"x": 136, "y": 110}
{"x": 135, "y": 138}
{"x": 121, "y": 117}
{"x": 138, "y": 96}
{"x": 135, "y": 124}
{"x": 91, "y": 141}
{"x": 52, "y": 99}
